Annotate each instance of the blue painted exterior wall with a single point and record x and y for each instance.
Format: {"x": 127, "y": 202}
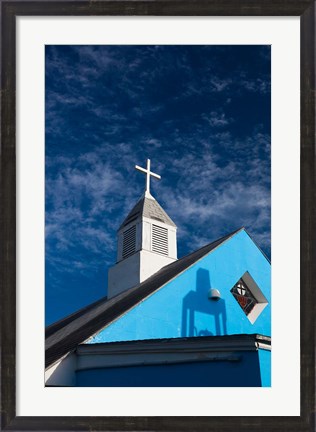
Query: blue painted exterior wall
{"x": 181, "y": 308}
{"x": 265, "y": 367}
{"x": 245, "y": 372}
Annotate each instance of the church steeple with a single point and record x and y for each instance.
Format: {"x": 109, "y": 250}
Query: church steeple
{"x": 146, "y": 242}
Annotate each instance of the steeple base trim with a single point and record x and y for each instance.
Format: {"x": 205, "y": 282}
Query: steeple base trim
{"x": 134, "y": 270}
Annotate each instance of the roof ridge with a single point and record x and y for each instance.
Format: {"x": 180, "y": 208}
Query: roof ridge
{"x": 209, "y": 244}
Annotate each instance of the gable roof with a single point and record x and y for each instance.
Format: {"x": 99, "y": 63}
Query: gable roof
{"x": 149, "y": 208}
{"x": 64, "y": 336}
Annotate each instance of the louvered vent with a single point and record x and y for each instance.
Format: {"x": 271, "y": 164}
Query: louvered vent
{"x": 159, "y": 240}
{"x": 129, "y": 241}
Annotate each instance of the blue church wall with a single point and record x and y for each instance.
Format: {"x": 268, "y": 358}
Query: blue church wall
{"x": 265, "y": 367}
{"x": 181, "y": 308}
{"x": 245, "y": 372}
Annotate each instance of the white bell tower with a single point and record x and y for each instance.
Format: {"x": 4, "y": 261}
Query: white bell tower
{"x": 147, "y": 241}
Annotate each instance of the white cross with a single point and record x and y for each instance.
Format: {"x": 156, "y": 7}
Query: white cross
{"x": 148, "y": 174}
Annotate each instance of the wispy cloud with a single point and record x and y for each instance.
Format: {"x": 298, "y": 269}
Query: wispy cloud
{"x": 256, "y": 85}
{"x": 219, "y": 84}
{"x": 217, "y": 119}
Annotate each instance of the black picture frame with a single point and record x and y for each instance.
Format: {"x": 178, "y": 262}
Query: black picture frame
{"x": 10, "y": 10}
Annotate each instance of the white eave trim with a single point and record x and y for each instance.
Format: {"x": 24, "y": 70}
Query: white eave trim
{"x": 138, "y": 353}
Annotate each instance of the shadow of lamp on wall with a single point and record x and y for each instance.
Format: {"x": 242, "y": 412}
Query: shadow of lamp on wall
{"x": 201, "y": 316}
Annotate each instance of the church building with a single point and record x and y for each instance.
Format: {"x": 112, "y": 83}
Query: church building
{"x": 202, "y": 320}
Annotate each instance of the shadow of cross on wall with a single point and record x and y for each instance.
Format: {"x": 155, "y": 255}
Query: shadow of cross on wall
{"x": 201, "y": 316}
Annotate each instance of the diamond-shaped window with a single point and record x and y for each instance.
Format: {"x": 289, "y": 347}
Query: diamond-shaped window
{"x": 249, "y": 297}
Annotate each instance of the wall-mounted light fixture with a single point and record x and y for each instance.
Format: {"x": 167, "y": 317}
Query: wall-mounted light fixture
{"x": 214, "y": 294}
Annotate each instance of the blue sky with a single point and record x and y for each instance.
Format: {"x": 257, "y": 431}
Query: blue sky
{"x": 202, "y": 115}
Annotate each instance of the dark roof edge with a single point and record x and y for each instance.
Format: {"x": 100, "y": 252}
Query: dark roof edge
{"x": 250, "y": 236}
{"x": 220, "y": 241}
{"x": 52, "y": 328}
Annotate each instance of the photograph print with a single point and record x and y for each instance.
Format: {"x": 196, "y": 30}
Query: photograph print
{"x": 157, "y": 215}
